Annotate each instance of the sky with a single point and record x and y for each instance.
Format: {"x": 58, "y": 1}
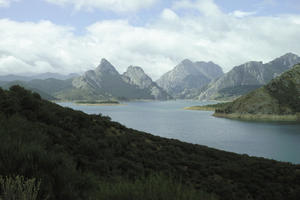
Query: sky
{"x": 67, "y": 36}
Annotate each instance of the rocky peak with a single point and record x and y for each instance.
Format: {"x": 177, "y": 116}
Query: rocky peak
{"x": 186, "y": 62}
{"x": 136, "y": 75}
{"x": 287, "y": 60}
{"x": 106, "y": 67}
{"x": 209, "y": 69}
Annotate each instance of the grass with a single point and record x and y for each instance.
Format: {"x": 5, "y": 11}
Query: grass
{"x": 155, "y": 187}
{"x": 18, "y": 188}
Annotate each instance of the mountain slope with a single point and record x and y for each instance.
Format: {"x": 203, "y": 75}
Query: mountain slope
{"x": 27, "y": 85}
{"x": 136, "y": 76}
{"x": 43, "y": 76}
{"x": 188, "y": 76}
{"x": 72, "y": 153}
{"x": 278, "y": 100}
{"x": 247, "y": 77}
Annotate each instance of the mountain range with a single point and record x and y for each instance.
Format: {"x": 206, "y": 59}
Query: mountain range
{"x": 103, "y": 83}
{"x": 247, "y": 77}
{"x": 188, "y": 77}
{"x": 187, "y": 80}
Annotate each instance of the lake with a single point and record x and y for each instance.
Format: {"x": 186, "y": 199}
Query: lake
{"x": 279, "y": 141}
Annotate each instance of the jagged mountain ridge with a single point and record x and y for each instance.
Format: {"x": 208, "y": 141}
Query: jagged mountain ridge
{"x": 103, "y": 83}
{"x": 187, "y": 76}
{"x": 136, "y": 76}
{"x": 247, "y": 77}
{"x": 106, "y": 81}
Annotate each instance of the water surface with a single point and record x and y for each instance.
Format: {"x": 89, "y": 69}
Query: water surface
{"x": 280, "y": 141}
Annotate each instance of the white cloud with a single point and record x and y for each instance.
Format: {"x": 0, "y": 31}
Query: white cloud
{"x": 169, "y": 14}
{"x": 206, "y": 7}
{"x": 157, "y": 47}
{"x": 6, "y": 3}
{"x": 240, "y": 14}
{"x": 113, "y": 5}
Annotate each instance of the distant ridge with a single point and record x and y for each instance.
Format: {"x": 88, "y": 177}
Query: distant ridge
{"x": 43, "y": 76}
{"x": 187, "y": 77}
{"x": 247, "y": 77}
{"x": 106, "y": 82}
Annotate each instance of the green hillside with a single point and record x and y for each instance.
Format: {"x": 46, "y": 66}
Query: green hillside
{"x": 80, "y": 156}
{"x": 278, "y": 100}
{"x": 38, "y": 88}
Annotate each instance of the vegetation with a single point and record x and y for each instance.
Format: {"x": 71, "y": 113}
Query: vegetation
{"x": 153, "y": 187}
{"x": 277, "y": 101}
{"x": 231, "y": 93}
{"x": 80, "y": 156}
{"x": 210, "y": 107}
{"x": 18, "y": 188}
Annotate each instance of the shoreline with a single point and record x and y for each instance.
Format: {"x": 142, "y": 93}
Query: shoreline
{"x": 260, "y": 117}
{"x": 201, "y": 108}
{"x": 99, "y": 104}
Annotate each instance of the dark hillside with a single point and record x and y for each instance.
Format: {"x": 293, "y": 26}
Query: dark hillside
{"x": 72, "y": 153}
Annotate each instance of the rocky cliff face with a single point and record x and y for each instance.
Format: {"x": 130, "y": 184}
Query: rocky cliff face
{"x": 136, "y": 76}
{"x": 280, "y": 97}
{"x": 99, "y": 78}
{"x": 106, "y": 82}
{"x": 188, "y": 76}
{"x": 247, "y": 77}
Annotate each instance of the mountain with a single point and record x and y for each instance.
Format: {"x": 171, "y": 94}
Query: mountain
{"x": 189, "y": 76}
{"x": 43, "y": 76}
{"x": 105, "y": 82}
{"x": 278, "y": 100}
{"x": 77, "y": 156}
{"x": 247, "y": 77}
{"x": 136, "y": 76}
{"x": 44, "y": 94}
{"x": 49, "y": 89}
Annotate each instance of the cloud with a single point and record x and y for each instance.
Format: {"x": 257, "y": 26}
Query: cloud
{"x": 206, "y": 7}
{"x": 168, "y": 14}
{"x": 6, "y": 3}
{"x": 157, "y": 47}
{"x": 240, "y": 14}
{"x": 112, "y": 5}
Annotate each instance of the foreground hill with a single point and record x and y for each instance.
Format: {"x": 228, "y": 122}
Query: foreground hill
{"x": 75, "y": 155}
{"x": 247, "y": 77}
{"x": 187, "y": 77}
{"x": 278, "y": 100}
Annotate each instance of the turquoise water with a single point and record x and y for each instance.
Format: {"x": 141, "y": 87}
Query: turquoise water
{"x": 279, "y": 141}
